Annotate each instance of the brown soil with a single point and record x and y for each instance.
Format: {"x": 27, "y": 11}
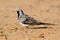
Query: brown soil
{"x": 42, "y": 10}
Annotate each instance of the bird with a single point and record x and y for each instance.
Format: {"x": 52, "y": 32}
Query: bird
{"x": 26, "y": 20}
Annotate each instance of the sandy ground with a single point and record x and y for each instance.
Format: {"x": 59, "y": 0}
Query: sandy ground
{"x": 42, "y": 10}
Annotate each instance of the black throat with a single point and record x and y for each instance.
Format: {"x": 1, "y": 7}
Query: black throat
{"x": 18, "y": 13}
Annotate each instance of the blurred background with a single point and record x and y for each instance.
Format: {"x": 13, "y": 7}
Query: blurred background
{"x": 42, "y": 10}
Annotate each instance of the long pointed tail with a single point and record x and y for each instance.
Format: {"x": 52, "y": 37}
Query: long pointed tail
{"x": 42, "y": 23}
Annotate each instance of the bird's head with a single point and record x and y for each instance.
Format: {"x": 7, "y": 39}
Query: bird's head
{"x": 20, "y": 12}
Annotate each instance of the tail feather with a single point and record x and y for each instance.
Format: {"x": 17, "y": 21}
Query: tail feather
{"x": 42, "y": 23}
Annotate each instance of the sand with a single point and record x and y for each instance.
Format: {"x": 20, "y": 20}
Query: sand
{"x": 42, "y": 10}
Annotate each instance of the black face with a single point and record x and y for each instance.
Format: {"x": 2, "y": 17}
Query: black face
{"x": 18, "y": 13}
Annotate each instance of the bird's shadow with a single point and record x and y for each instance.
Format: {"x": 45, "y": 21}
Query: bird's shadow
{"x": 39, "y": 28}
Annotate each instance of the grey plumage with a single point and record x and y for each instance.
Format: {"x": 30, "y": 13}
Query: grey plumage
{"x": 27, "y": 20}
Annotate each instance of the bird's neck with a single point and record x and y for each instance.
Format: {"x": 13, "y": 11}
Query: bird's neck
{"x": 20, "y": 14}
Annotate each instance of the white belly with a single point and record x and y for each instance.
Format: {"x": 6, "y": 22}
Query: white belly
{"x": 23, "y": 24}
